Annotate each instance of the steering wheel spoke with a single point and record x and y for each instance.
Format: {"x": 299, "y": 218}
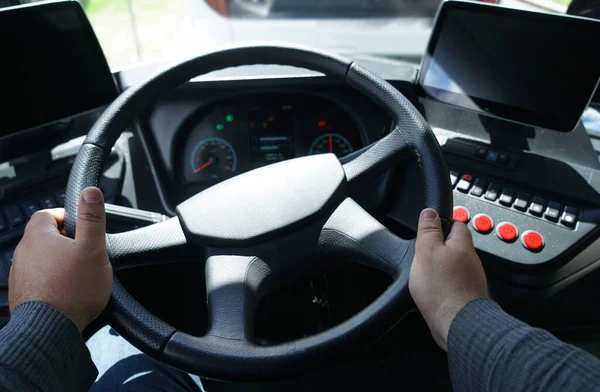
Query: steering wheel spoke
{"x": 234, "y": 285}
{"x": 160, "y": 243}
{"x": 376, "y": 158}
{"x": 353, "y": 232}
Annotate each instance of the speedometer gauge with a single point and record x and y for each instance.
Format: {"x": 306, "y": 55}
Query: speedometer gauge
{"x": 213, "y": 160}
{"x": 331, "y": 142}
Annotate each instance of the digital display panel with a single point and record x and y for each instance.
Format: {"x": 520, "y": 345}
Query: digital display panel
{"x": 532, "y": 68}
{"x": 52, "y": 65}
{"x": 271, "y": 135}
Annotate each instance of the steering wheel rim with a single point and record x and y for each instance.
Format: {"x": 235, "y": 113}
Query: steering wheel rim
{"x": 330, "y": 223}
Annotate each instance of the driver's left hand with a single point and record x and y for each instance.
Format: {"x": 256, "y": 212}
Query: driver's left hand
{"x": 73, "y": 276}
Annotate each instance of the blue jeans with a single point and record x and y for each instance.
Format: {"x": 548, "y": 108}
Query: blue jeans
{"x": 122, "y": 367}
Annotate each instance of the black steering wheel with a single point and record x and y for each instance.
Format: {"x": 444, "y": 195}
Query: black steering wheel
{"x": 261, "y": 228}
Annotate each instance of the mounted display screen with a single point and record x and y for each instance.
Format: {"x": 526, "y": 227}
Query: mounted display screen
{"x": 532, "y": 68}
{"x": 52, "y": 66}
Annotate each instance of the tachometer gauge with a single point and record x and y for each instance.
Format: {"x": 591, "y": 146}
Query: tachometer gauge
{"x": 331, "y": 142}
{"x": 213, "y": 160}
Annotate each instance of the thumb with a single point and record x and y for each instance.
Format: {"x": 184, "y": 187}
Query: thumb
{"x": 429, "y": 234}
{"x": 91, "y": 219}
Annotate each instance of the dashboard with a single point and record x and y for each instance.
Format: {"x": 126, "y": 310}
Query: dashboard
{"x": 210, "y": 130}
{"x": 203, "y": 132}
{"x": 518, "y": 179}
{"x": 238, "y": 135}
{"x": 532, "y": 178}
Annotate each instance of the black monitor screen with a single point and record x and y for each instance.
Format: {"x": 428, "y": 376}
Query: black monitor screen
{"x": 533, "y": 68}
{"x": 52, "y": 66}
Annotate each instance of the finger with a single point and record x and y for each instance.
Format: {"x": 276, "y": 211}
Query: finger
{"x": 429, "y": 234}
{"x": 59, "y": 215}
{"x": 91, "y": 218}
{"x": 50, "y": 220}
{"x": 459, "y": 235}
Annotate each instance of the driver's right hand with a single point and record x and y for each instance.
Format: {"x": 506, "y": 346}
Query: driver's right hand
{"x": 445, "y": 275}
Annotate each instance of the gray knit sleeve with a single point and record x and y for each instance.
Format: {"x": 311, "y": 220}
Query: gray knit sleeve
{"x": 489, "y": 350}
{"x": 42, "y": 350}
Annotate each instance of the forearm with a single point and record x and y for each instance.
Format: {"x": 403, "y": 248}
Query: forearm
{"x": 41, "y": 349}
{"x": 488, "y": 350}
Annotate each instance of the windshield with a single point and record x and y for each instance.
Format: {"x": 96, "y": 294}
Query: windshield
{"x": 134, "y": 31}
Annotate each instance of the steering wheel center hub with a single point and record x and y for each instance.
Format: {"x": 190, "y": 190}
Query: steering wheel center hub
{"x": 259, "y": 204}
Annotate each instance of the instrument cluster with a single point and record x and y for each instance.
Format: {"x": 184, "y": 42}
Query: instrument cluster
{"x": 246, "y": 133}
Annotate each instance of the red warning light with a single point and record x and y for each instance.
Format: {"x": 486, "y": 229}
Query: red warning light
{"x": 322, "y": 124}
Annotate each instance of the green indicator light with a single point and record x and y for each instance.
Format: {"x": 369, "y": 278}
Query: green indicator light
{"x": 229, "y": 118}
{"x": 220, "y": 127}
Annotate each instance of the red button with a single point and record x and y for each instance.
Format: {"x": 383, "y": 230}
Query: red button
{"x": 507, "y": 231}
{"x": 461, "y": 214}
{"x": 483, "y": 223}
{"x": 532, "y": 240}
